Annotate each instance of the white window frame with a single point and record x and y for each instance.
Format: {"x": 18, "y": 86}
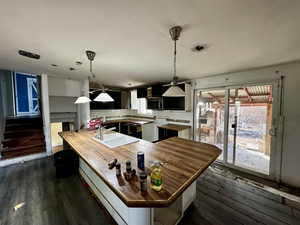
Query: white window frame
{"x": 277, "y": 122}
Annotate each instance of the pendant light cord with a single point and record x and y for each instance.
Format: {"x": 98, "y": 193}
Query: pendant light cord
{"x": 175, "y": 53}
{"x": 91, "y": 69}
{"x": 94, "y": 76}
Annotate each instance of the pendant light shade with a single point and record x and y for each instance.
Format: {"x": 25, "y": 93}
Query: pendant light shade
{"x": 82, "y": 99}
{"x": 104, "y": 97}
{"x": 174, "y": 91}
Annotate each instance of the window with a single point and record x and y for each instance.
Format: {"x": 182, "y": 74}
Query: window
{"x": 240, "y": 121}
{"x": 26, "y": 94}
{"x": 139, "y": 104}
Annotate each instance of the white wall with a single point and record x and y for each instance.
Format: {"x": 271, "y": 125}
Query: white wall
{"x": 64, "y": 87}
{"x": 62, "y": 104}
{"x": 2, "y": 111}
{"x": 291, "y": 136}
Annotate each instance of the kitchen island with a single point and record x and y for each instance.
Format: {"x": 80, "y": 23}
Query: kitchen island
{"x": 183, "y": 160}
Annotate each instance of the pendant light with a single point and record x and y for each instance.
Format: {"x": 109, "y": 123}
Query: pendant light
{"x": 103, "y": 96}
{"x": 174, "y": 91}
{"x": 82, "y": 99}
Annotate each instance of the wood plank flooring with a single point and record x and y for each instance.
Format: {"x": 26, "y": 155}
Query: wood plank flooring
{"x": 48, "y": 200}
{"x": 52, "y": 201}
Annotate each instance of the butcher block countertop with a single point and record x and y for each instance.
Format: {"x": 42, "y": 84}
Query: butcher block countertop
{"x": 176, "y": 127}
{"x": 183, "y": 160}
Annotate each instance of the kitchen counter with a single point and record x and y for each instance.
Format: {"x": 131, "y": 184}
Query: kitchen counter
{"x": 184, "y": 161}
{"x": 175, "y": 127}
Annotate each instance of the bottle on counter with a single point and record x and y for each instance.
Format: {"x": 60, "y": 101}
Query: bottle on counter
{"x": 128, "y": 166}
{"x": 128, "y": 173}
{"x": 156, "y": 176}
{"x": 141, "y": 160}
{"x": 118, "y": 169}
{"x": 143, "y": 182}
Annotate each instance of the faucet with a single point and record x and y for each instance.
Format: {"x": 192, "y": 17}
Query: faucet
{"x": 101, "y": 130}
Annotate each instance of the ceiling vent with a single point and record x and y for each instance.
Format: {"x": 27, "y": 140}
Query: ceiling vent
{"x": 29, "y": 54}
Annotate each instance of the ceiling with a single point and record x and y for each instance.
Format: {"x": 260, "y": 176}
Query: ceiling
{"x": 132, "y": 42}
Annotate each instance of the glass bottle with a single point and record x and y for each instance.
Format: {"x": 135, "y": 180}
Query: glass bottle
{"x": 156, "y": 176}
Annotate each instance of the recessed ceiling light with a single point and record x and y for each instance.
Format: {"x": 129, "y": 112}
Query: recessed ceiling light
{"x": 199, "y": 48}
{"x": 78, "y": 63}
{"x": 71, "y": 68}
{"x": 54, "y": 65}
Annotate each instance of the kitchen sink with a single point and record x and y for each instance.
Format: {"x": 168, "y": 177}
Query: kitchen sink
{"x": 114, "y": 140}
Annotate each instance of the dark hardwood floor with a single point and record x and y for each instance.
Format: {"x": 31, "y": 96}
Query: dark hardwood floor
{"x": 48, "y": 200}
{"x": 52, "y": 201}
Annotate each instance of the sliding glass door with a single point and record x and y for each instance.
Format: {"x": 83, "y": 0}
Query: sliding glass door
{"x": 210, "y": 117}
{"x": 240, "y": 121}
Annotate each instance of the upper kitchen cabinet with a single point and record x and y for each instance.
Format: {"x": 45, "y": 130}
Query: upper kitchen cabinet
{"x": 125, "y": 96}
{"x": 142, "y": 92}
{"x": 64, "y": 87}
{"x": 116, "y": 104}
{"x": 155, "y": 91}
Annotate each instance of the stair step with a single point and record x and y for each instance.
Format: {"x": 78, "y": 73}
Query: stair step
{"x": 22, "y": 133}
{"x": 23, "y": 148}
{"x": 24, "y": 120}
{"x": 7, "y": 155}
{"x": 14, "y": 142}
{"x": 22, "y": 126}
{"x": 23, "y": 130}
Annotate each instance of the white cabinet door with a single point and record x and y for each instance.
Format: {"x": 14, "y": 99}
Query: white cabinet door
{"x": 148, "y": 132}
{"x": 56, "y": 86}
{"x": 72, "y": 88}
{"x": 64, "y": 87}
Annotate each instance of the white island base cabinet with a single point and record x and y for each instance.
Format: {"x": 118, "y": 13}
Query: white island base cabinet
{"x": 123, "y": 214}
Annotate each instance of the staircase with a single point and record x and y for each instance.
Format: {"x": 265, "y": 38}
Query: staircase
{"x": 23, "y": 136}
